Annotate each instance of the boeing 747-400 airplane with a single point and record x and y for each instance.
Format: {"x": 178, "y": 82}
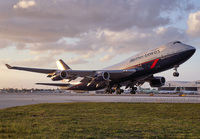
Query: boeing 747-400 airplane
{"x": 131, "y": 72}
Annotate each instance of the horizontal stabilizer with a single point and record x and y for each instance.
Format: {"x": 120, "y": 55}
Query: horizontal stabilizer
{"x": 54, "y": 84}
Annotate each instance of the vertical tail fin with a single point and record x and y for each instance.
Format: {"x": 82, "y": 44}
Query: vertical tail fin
{"x": 61, "y": 65}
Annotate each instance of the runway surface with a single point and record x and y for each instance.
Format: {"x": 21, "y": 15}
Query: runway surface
{"x": 20, "y": 99}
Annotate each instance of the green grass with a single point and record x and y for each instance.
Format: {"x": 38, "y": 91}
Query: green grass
{"x": 101, "y": 120}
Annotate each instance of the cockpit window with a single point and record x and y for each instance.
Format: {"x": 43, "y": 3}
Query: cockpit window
{"x": 177, "y": 42}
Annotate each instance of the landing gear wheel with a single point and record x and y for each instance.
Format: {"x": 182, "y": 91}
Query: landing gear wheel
{"x": 119, "y": 91}
{"x": 112, "y": 91}
{"x": 106, "y": 90}
{"x": 133, "y": 91}
{"x": 109, "y": 90}
{"x": 175, "y": 74}
{"x": 135, "y": 88}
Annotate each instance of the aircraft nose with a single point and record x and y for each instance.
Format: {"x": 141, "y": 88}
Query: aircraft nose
{"x": 191, "y": 49}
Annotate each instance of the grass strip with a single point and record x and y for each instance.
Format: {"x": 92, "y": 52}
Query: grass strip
{"x": 101, "y": 120}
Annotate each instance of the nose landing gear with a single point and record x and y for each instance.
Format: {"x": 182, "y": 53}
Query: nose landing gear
{"x": 176, "y": 74}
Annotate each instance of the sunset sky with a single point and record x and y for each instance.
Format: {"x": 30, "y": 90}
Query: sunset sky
{"x": 92, "y": 34}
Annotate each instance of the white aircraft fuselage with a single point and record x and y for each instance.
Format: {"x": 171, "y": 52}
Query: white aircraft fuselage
{"x": 133, "y": 71}
{"x": 147, "y": 63}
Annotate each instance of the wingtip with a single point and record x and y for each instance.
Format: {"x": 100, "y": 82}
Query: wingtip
{"x": 8, "y": 66}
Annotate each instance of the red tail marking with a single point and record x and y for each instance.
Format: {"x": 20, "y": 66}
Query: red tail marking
{"x": 154, "y": 64}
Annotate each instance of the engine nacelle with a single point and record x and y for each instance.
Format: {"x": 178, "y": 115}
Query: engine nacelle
{"x": 59, "y": 76}
{"x": 157, "y": 82}
{"x": 103, "y": 76}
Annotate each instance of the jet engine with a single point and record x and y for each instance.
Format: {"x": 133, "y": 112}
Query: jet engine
{"x": 157, "y": 82}
{"x": 103, "y": 76}
{"x": 99, "y": 78}
{"x": 59, "y": 76}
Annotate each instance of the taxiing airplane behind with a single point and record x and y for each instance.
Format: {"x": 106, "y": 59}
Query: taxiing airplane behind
{"x": 133, "y": 71}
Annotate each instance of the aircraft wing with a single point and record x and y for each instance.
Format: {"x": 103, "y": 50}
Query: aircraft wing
{"x": 45, "y": 71}
{"x": 88, "y": 75}
{"x": 78, "y": 73}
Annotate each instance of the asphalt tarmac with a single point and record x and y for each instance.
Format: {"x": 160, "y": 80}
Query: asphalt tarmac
{"x": 19, "y": 99}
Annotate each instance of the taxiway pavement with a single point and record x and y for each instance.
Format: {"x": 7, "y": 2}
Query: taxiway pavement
{"x": 20, "y": 99}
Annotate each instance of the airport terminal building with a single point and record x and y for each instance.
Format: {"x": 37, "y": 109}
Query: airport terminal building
{"x": 188, "y": 86}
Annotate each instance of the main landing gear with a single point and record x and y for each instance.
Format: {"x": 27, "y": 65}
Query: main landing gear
{"x": 176, "y": 74}
{"x": 118, "y": 91}
{"x": 133, "y": 90}
{"x": 109, "y": 90}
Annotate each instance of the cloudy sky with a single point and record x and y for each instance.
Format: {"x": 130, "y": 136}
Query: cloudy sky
{"x": 92, "y": 34}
